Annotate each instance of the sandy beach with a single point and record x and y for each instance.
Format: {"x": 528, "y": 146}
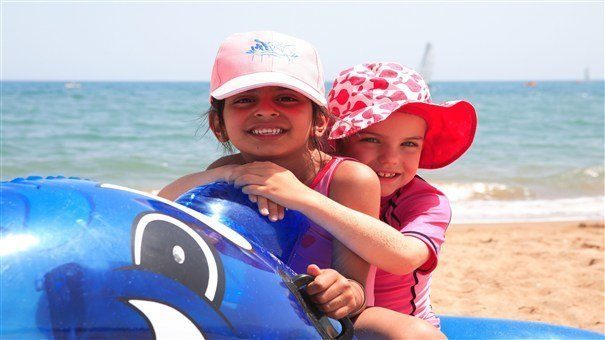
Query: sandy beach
{"x": 550, "y": 272}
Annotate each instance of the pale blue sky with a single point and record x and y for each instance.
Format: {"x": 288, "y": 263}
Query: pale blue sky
{"x": 178, "y": 41}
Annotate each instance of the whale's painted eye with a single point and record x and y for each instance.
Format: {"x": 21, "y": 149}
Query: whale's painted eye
{"x": 167, "y": 246}
{"x": 179, "y": 254}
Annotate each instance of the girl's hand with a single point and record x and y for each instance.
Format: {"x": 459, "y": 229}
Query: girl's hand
{"x": 273, "y": 182}
{"x": 333, "y": 293}
{"x": 269, "y": 208}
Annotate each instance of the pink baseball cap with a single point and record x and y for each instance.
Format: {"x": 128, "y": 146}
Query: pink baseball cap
{"x": 368, "y": 93}
{"x": 251, "y": 60}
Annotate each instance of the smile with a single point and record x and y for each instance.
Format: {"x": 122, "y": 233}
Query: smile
{"x": 267, "y": 132}
{"x": 386, "y": 174}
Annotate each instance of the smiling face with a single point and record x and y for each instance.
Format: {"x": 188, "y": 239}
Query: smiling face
{"x": 391, "y": 148}
{"x": 267, "y": 123}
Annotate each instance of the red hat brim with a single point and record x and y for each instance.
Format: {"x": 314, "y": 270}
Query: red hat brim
{"x": 450, "y": 131}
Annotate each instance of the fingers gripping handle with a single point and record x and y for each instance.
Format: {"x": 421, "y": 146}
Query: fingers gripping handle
{"x": 301, "y": 281}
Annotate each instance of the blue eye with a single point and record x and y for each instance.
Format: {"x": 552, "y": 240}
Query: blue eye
{"x": 370, "y": 140}
{"x": 409, "y": 144}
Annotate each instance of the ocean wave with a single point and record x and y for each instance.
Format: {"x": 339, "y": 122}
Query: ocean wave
{"x": 483, "y": 191}
{"x": 584, "y": 181}
{"x": 590, "y": 174}
{"x": 587, "y": 175}
{"x": 565, "y": 209}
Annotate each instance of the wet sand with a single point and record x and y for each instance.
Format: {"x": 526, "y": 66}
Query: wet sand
{"x": 550, "y": 272}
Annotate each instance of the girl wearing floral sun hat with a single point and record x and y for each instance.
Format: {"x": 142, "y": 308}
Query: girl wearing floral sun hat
{"x": 385, "y": 119}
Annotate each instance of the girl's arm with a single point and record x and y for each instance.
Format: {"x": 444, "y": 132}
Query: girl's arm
{"x": 351, "y": 220}
{"x": 345, "y": 262}
{"x": 219, "y": 170}
{"x": 180, "y": 186}
{"x": 374, "y": 240}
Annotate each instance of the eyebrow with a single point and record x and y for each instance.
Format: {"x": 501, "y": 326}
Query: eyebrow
{"x": 249, "y": 91}
{"x": 379, "y": 135}
{"x": 281, "y": 89}
{"x": 256, "y": 90}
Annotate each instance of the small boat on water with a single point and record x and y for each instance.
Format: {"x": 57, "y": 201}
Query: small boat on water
{"x": 531, "y": 84}
{"x": 72, "y": 85}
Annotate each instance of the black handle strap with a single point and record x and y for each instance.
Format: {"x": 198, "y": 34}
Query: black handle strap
{"x": 301, "y": 281}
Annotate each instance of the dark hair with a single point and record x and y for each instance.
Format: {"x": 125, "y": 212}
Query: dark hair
{"x": 217, "y": 108}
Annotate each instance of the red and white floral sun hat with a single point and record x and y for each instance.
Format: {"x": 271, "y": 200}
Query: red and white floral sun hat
{"x": 368, "y": 93}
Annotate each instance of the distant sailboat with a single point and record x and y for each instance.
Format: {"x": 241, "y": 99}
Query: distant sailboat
{"x": 426, "y": 65}
{"x": 586, "y": 76}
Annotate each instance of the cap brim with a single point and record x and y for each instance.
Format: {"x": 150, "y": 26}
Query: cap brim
{"x": 261, "y": 79}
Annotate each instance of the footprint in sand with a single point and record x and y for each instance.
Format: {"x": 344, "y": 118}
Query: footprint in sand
{"x": 528, "y": 309}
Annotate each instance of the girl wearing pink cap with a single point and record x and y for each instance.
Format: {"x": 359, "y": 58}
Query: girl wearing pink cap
{"x": 267, "y": 100}
{"x": 386, "y": 120}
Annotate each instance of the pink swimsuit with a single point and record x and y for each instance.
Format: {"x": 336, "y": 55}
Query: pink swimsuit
{"x": 418, "y": 210}
{"x": 315, "y": 247}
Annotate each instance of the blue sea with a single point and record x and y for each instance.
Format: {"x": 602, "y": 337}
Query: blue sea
{"x": 538, "y": 153}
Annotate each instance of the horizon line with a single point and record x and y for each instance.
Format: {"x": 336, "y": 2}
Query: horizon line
{"x": 207, "y": 81}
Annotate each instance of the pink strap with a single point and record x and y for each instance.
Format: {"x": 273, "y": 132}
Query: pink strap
{"x": 315, "y": 246}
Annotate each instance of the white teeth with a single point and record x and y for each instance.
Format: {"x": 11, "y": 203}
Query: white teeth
{"x": 386, "y": 174}
{"x": 265, "y": 132}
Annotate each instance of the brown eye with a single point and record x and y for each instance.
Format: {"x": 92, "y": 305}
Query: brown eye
{"x": 287, "y": 99}
{"x": 243, "y": 100}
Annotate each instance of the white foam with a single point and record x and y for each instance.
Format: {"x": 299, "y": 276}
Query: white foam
{"x": 482, "y": 191}
{"x": 565, "y": 209}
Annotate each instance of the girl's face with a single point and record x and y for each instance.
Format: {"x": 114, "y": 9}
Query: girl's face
{"x": 391, "y": 148}
{"x": 268, "y": 122}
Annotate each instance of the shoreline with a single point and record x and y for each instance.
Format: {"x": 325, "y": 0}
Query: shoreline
{"x": 540, "y": 223}
{"x": 572, "y": 209}
{"x": 536, "y": 271}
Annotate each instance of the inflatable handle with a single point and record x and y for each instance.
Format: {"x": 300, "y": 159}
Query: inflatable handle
{"x": 301, "y": 281}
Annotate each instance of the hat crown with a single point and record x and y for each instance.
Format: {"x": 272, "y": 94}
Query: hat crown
{"x": 366, "y": 94}
{"x": 262, "y": 53}
{"x": 375, "y": 84}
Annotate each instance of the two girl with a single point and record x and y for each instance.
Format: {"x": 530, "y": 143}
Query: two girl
{"x": 267, "y": 101}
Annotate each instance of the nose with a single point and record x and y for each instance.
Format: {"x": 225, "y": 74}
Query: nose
{"x": 266, "y": 110}
{"x": 388, "y": 156}
{"x": 264, "y": 113}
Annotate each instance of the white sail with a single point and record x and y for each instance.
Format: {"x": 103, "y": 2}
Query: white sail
{"x": 426, "y": 65}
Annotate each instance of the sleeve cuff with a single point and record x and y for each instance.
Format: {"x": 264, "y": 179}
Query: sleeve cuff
{"x": 431, "y": 263}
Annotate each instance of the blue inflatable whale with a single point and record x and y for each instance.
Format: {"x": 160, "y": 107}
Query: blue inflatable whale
{"x": 84, "y": 259}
